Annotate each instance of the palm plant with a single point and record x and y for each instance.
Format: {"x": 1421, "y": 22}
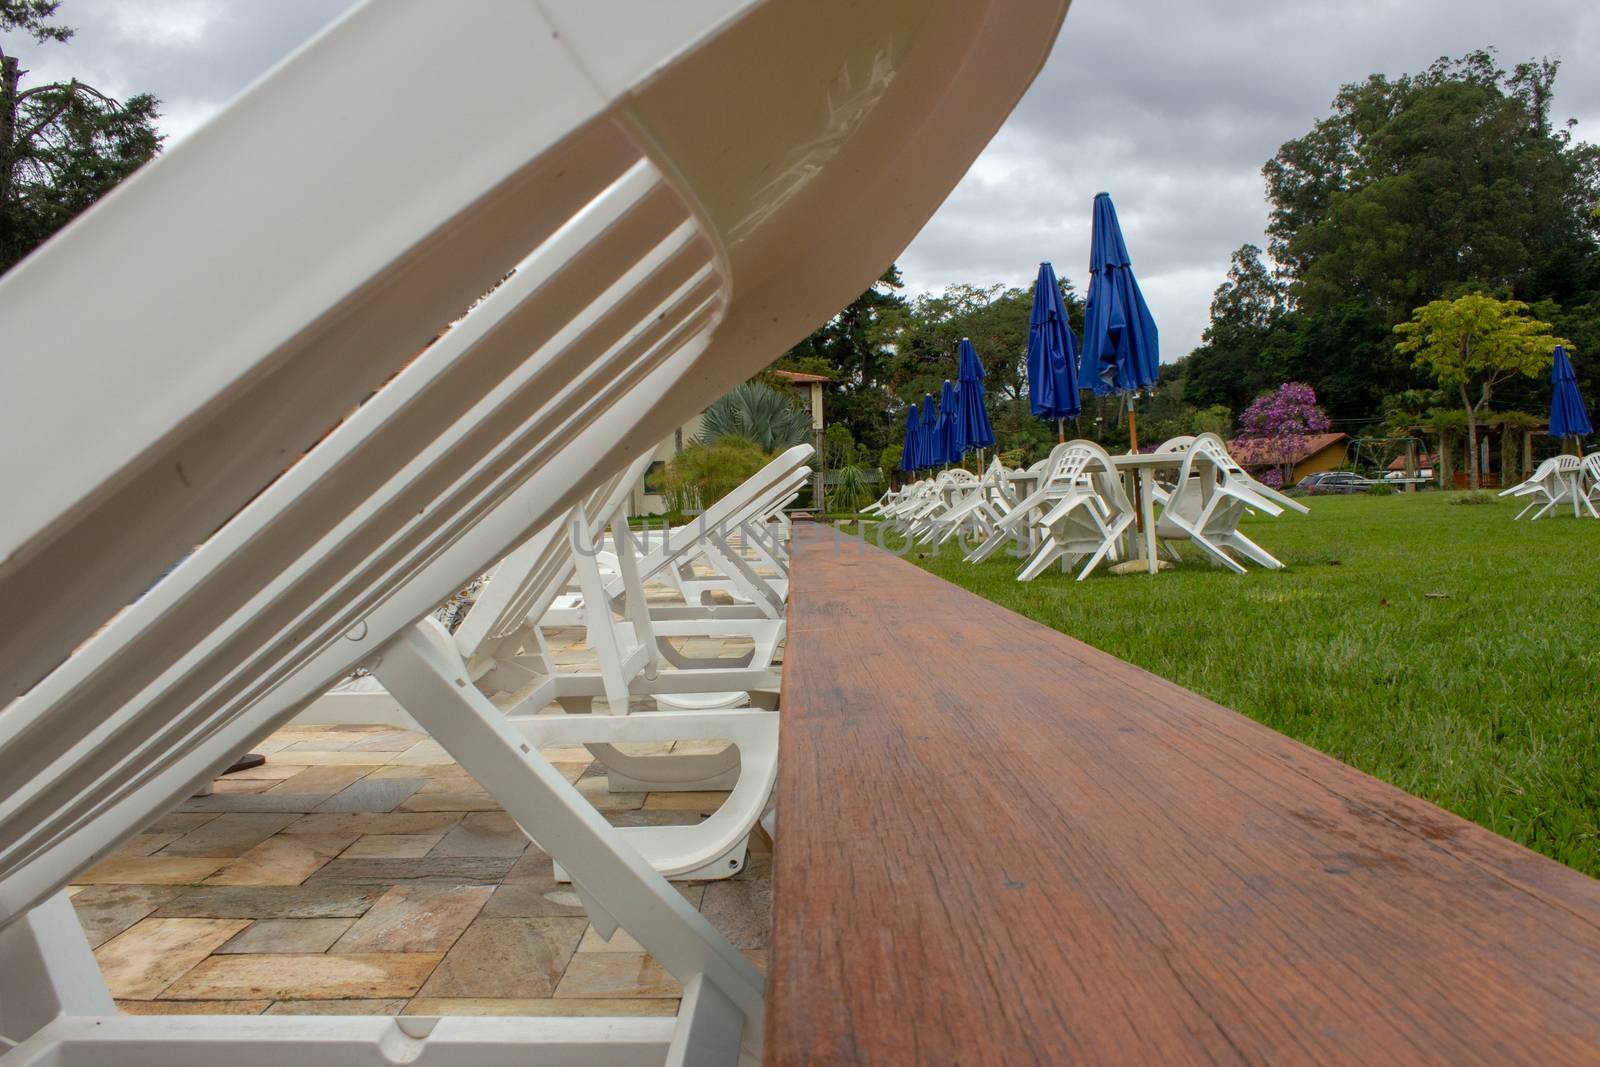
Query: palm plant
{"x": 761, "y": 414}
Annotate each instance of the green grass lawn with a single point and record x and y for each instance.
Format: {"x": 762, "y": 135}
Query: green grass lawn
{"x": 1480, "y": 697}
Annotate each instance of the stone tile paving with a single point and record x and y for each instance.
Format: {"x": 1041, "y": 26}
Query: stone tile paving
{"x": 360, "y": 871}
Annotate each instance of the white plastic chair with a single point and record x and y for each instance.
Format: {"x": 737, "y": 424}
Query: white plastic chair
{"x": 1591, "y": 475}
{"x": 658, "y": 206}
{"x": 1210, "y": 497}
{"x": 1090, "y": 511}
{"x": 1021, "y": 523}
{"x": 1556, "y": 481}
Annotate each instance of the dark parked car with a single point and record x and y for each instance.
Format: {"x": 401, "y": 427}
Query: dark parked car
{"x": 1332, "y": 482}
{"x": 1306, "y": 484}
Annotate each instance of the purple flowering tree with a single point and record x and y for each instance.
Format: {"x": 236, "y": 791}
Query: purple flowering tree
{"x": 1277, "y": 424}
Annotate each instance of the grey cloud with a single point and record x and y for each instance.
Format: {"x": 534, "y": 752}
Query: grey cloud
{"x": 1171, "y": 105}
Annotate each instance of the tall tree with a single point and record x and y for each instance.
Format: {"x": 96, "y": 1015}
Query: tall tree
{"x": 63, "y": 145}
{"x": 1246, "y": 311}
{"x": 1474, "y": 343}
{"x": 1420, "y": 184}
{"x": 849, "y": 348}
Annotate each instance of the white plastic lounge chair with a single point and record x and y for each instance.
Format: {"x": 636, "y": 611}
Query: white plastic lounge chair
{"x": 682, "y": 193}
{"x": 1591, "y": 482}
{"x": 1211, "y": 494}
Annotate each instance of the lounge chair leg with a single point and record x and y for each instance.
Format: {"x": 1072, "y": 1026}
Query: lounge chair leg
{"x": 610, "y": 873}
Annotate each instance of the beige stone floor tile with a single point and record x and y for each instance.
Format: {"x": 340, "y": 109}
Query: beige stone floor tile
{"x": 628, "y": 975}
{"x": 415, "y": 918}
{"x": 699, "y": 748}
{"x": 152, "y": 870}
{"x": 701, "y": 802}
{"x": 328, "y": 743}
{"x": 240, "y": 787}
{"x": 483, "y": 833}
{"x": 272, "y": 902}
{"x": 274, "y": 770}
{"x": 741, "y": 909}
{"x": 287, "y": 859}
{"x": 271, "y": 746}
{"x": 105, "y": 911}
{"x": 473, "y": 801}
{"x": 532, "y": 900}
{"x": 145, "y": 844}
{"x": 442, "y": 783}
{"x": 536, "y": 1007}
{"x": 566, "y": 754}
{"x": 423, "y": 752}
{"x": 338, "y": 1007}
{"x": 621, "y": 941}
{"x": 571, "y": 771}
{"x": 192, "y": 1007}
{"x": 388, "y": 741}
{"x": 595, "y": 791}
{"x": 232, "y": 835}
{"x": 644, "y": 748}
{"x": 320, "y": 779}
{"x": 286, "y": 935}
{"x": 757, "y": 956}
{"x": 346, "y": 758}
{"x": 425, "y": 770}
{"x": 392, "y": 846}
{"x": 372, "y": 795}
{"x": 177, "y": 822}
{"x": 151, "y": 954}
{"x": 506, "y": 957}
{"x": 380, "y": 975}
{"x": 432, "y": 870}
{"x": 373, "y": 822}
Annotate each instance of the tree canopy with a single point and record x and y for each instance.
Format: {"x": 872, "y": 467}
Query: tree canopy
{"x": 1472, "y": 344}
{"x": 1412, "y": 189}
{"x": 63, "y": 145}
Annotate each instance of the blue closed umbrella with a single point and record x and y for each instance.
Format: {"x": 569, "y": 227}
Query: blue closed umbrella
{"x": 972, "y": 415}
{"x": 1052, "y": 353}
{"x": 1567, "y": 415}
{"x": 1121, "y": 349}
{"x": 947, "y": 434}
{"x": 908, "y": 451}
{"x": 926, "y": 433}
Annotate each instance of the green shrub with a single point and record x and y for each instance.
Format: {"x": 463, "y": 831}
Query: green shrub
{"x": 704, "y": 473}
{"x": 850, "y": 492}
{"x": 1380, "y": 489}
{"x": 1477, "y": 496}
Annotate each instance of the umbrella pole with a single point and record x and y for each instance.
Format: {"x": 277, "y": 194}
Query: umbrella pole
{"x": 1061, "y": 433}
{"x": 1133, "y": 427}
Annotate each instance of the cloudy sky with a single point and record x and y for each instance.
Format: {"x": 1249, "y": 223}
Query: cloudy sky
{"x": 1170, "y": 105}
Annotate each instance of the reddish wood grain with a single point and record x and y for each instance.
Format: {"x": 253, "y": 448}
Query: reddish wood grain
{"x": 998, "y": 845}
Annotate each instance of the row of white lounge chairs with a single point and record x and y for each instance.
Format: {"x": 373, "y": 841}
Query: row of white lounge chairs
{"x": 1080, "y": 509}
{"x": 1560, "y": 481}
{"x": 573, "y": 574}
{"x": 658, "y": 200}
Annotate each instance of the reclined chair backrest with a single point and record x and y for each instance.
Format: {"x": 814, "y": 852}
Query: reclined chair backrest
{"x": 525, "y": 583}
{"x": 645, "y": 253}
{"x": 760, "y": 492}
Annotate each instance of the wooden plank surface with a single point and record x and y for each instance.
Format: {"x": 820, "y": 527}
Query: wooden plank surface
{"x": 998, "y": 845}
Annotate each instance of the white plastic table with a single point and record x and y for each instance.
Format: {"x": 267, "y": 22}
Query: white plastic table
{"x": 1141, "y": 469}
